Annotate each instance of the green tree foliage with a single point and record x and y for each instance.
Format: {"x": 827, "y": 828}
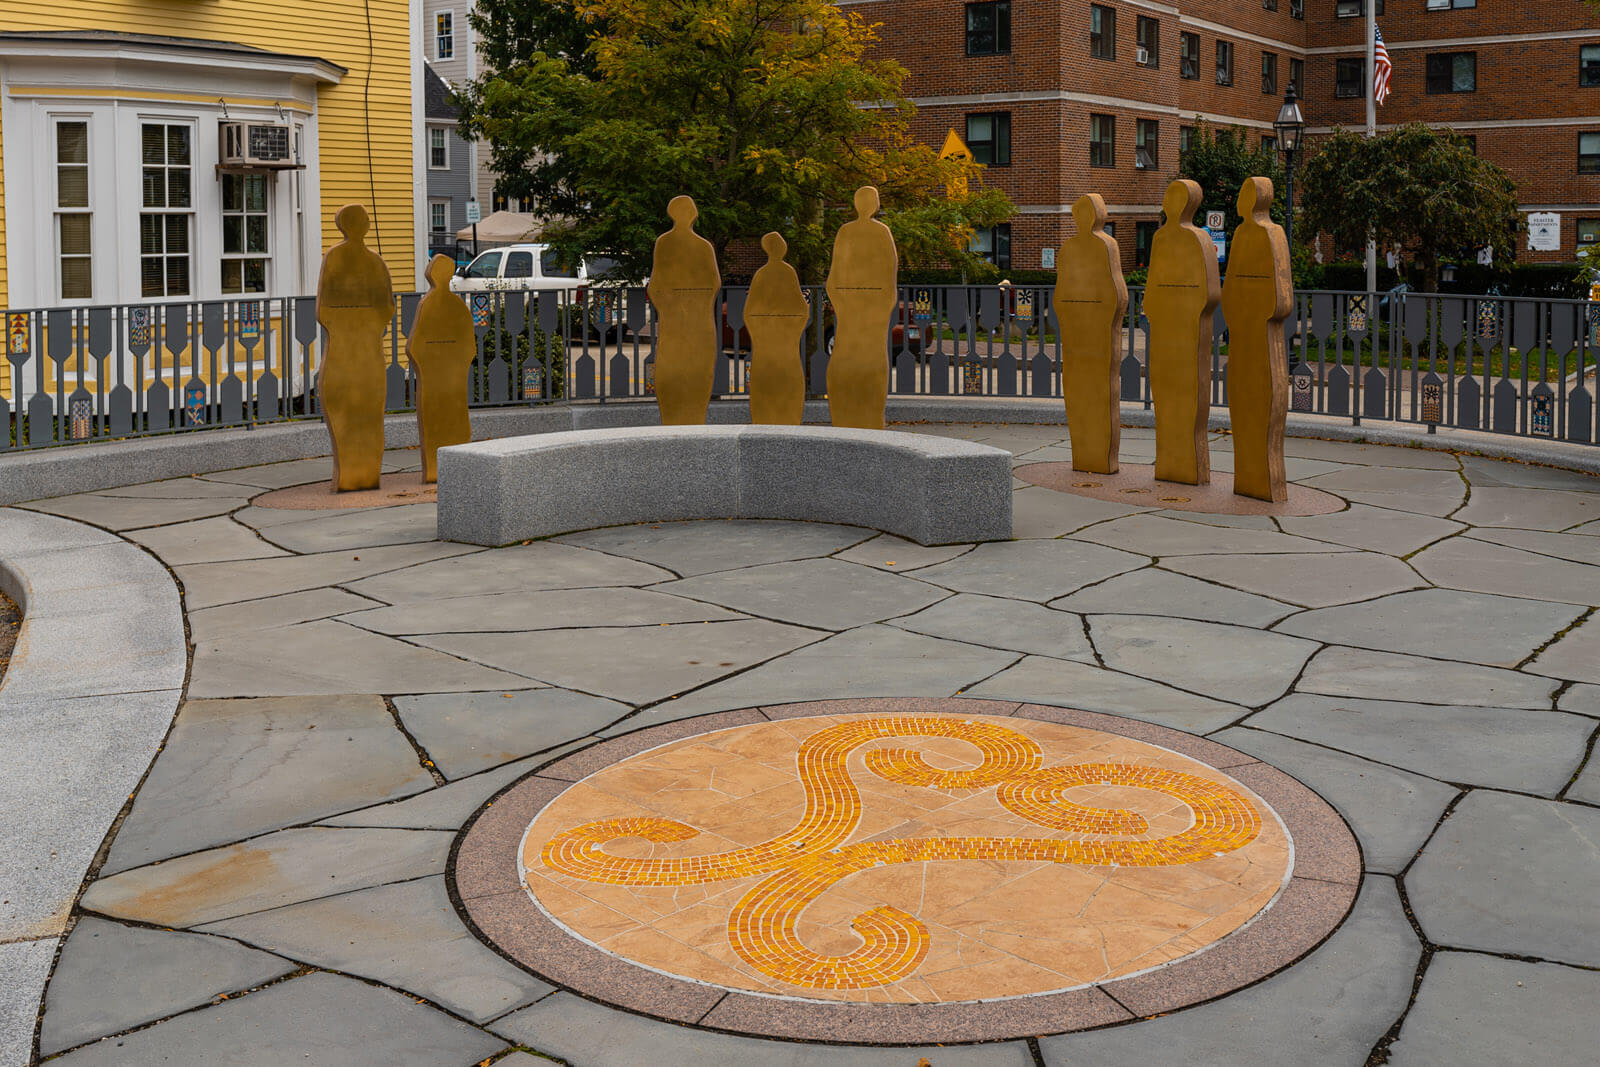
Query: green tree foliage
{"x": 1422, "y": 189}
{"x": 1220, "y": 160}
{"x": 768, "y": 112}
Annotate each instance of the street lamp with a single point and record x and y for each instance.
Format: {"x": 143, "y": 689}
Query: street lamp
{"x": 1290, "y": 126}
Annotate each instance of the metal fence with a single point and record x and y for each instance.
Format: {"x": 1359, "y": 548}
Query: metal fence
{"x": 1507, "y": 365}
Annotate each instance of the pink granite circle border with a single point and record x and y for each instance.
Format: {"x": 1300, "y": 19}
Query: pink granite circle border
{"x": 404, "y": 487}
{"x": 488, "y": 894}
{"x": 1135, "y": 484}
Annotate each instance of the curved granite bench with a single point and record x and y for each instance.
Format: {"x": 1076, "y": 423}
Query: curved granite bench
{"x": 930, "y": 490}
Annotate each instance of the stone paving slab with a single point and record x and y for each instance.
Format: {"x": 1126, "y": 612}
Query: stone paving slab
{"x": 209, "y": 584}
{"x": 993, "y": 622}
{"x": 1080, "y": 685}
{"x": 1443, "y": 623}
{"x": 1237, "y": 664}
{"x": 360, "y": 528}
{"x": 190, "y": 488}
{"x": 1482, "y": 471}
{"x": 277, "y": 869}
{"x": 1504, "y": 748}
{"x": 643, "y": 663}
{"x": 528, "y": 612}
{"x": 216, "y": 540}
{"x": 1157, "y": 535}
{"x": 232, "y": 769}
{"x": 1360, "y": 672}
{"x": 1581, "y": 698}
{"x": 690, "y": 548}
{"x": 449, "y": 806}
{"x": 1424, "y": 492}
{"x": 1512, "y": 874}
{"x": 328, "y": 657}
{"x": 213, "y": 624}
{"x": 464, "y": 733}
{"x": 582, "y": 1032}
{"x": 1312, "y": 580}
{"x": 1391, "y": 811}
{"x": 519, "y": 569}
{"x": 1156, "y": 591}
{"x": 1040, "y": 512}
{"x": 320, "y": 1019}
{"x": 890, "y": 553}
{"x": 132, "y": 513}
{"x": 1480, "y": 1009}
{"x": 825, "y": 594}
{"x": 1030, "y": 570}
{"x": 113, "y": 978}
{"x": 1575, "y": 547}
{"x": 406, "y": 935}
{"x": 1466, "y": 563}
{"x": 1395, "y": 533}
{"x": 1530, "y": 509}
{"x": 1328, "y": 1009}
{"x": 1574, "y": 655}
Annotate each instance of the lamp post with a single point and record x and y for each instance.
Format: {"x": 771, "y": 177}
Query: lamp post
{"x": 1290, "y": 126}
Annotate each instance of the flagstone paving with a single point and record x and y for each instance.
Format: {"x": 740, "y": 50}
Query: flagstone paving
{"x": 279, "y": 889}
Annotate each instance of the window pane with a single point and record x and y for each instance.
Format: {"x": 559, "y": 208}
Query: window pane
{"x": 154, "y": 142}
{"x": 152, "y": 282}
{"x": 519, "y": 265}
{"x": 255, "y": 190}
{"x": 72, "y": 186}
{"x": 232, "y": 192}
{"x": 178, "y": 187}
{"x": 177, "y": 233}
{"x": 256, "y": 235}
{"x": 233, "y": 234}
{"x": 178, "y": 145}
{"x": 150, "y": 235}
{"x": 1464, "y": 73}
{"x": 255, "y": 275}
{"x": 177, "y": 275}
{"x": 1589, "y": 65}
{"x": 550, "y": 266}
{"x": 72, "y": 142}
{"x": 485, "y": 266}
{"x": 76, "y": 283}
{"x": 232, "y": 274}
{"x": 75, "y": 235}
{"x": 980, "y": 128}
{"x": 155, "y": 181}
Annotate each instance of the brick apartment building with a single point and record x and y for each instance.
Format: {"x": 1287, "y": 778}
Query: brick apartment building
{"x": 1063, "y": 97}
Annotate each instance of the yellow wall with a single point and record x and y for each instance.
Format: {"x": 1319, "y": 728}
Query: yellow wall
{"x": 335, "y": 30}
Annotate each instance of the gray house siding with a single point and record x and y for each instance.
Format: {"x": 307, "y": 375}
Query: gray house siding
{"x": 453, "y": 185}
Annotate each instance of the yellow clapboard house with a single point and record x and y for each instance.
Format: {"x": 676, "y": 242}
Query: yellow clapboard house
{"x": 154, "y": 151}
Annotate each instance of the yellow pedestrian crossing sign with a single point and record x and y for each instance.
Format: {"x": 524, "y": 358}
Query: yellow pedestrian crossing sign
{"x": 955, "y": 148}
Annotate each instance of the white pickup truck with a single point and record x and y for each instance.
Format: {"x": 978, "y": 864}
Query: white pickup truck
{"x": 519, "y": 267}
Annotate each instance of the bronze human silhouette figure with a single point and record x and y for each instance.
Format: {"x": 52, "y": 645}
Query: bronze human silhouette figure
{"x": 1256, "y": 297}
{"x": 861, "y": 286}
{"x": 684, "y": 281}
{"x": 1090, "y": 301}
{"x": 775, "y": 314}
{"x": 355, "y": 304}
{"x": 1180, "y": 297}
{"x": 440, "y": 348}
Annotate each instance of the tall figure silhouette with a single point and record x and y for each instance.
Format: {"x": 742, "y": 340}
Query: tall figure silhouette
{"x": 1180, "y": 298}
{"x": 440, "y": 347}
{"x": 355, "y": 304}
{"x": 684, "y": 281}
{"x": 861, "y": 286}
{"x": 775, "y": 314}
{"x": 1090, "y": 301}
{"x": 1257, "y": 296}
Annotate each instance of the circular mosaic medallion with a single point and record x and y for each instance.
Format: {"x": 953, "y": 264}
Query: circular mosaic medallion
{"x": 958, "y": 870}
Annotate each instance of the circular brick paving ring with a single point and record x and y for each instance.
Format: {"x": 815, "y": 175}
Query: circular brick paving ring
{"x": 1135, "y": 484}
{"x": 901, "y": 871}
{"x": 406, "y": 487}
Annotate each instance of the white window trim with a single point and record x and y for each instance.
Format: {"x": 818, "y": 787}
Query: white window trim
{"x": 439, "y": 202}
{"x": 445, "y": 132}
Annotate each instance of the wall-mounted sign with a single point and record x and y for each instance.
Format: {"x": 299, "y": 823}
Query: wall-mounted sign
{"x": 1047, "y": 259}
{"x": 1544, "y": 231}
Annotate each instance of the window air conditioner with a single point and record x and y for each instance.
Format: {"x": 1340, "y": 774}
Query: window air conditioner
{"x": 1142, "y": 56}
{"x": 263, "y": 145}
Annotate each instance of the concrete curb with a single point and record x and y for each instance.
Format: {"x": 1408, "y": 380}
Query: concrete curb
{"x": 91, "y": 691}
{"x": 927, "y": 489}
{"x": 89, "y": 468}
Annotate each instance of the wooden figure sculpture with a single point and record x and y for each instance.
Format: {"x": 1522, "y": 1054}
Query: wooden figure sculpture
{"x": 440, "y": 348}
{"x": 1090, "y": 301}
{"x": 776, "y": 314}
{"x": 355, "y": 304}
{"x": 684, "y": 281}
{"x": 861, "y": 286}
{"x": 1257, "y": 296}
{"x": 1180, "y": 297}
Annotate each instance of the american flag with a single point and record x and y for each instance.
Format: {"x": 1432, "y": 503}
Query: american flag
{"x": 1381, "y": 68}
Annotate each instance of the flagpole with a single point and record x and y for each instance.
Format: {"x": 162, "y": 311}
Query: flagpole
{"x": 1372, "y": 130}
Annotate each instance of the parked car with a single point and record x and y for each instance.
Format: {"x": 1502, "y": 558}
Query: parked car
{"x": 537, "y": 268}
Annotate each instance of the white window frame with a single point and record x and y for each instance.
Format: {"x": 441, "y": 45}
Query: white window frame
{"x": 223, "y": 214}
{"x": 444, "y": 143}
{"x": 54, "y": 120}
{"x": 443, "y": 204}
{"x": 166, "y": 122}
{"x": 444, "y": 34}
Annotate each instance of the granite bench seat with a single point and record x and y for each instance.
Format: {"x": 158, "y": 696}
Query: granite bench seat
{"x": 930, "y": 490}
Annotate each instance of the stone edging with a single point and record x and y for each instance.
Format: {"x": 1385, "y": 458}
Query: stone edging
{"x": 91, "y": 691}
{"x": 489, "y": 895}
{"x": 87, "y": 468}
{"x": 924, "y": 488}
